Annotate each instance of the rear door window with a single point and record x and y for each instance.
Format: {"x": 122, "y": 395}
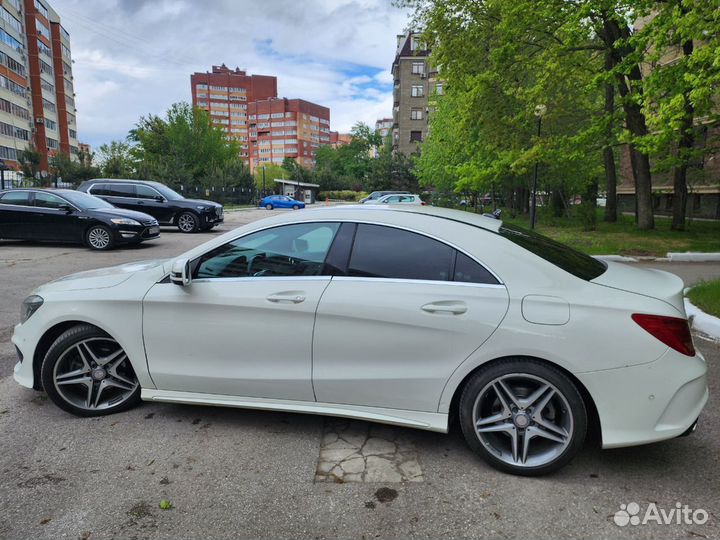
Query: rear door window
{"x": 386, "y": 252}
{"x": 19, "y": 198}
{"x": 120, "y": 190}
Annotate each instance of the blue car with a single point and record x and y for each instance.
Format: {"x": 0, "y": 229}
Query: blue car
{"x": 281, "y": 201}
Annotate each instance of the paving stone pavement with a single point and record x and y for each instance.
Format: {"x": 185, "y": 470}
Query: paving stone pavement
{"x": 354, "y": 451}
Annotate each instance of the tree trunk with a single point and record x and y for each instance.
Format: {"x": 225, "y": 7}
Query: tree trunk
{"x": 685, "y": 144}
{"x": 608, "y": 155}
{"x": 635, "y": 123}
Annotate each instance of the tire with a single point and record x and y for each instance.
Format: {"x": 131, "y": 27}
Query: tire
{"x": 99, "y": 238}
{"x": 554, "y": 423}
{"x": 188, "y": 222}
{"x": 268, "y": 206}
{"x": 85, "y": 372}
{"x": 296, "y": 207}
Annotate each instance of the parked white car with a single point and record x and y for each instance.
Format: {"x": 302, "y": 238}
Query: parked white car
{"x": 397, "y": 199}
{"x": 527, "y": 341}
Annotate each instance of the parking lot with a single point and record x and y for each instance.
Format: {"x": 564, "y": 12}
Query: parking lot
{"x": 233, "y": 473}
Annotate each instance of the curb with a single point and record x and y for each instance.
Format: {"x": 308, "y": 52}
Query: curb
{"x": 670, "y": 257}
{"x": 702, "y": 322}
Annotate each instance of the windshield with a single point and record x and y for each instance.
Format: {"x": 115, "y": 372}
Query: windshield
{"x": 168, "y": 193}
{"x": 576, "y": 263}
{"x": 85, "y": 201}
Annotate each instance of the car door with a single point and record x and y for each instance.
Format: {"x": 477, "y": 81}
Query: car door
{"x": 120, "y": 195}
{"x": 244, "y": 325}
{"x": 14, "y": 214}
{"x": 53, "y": 221}
{"x": 151, "y": 202}
{"x": 408, "y": 312}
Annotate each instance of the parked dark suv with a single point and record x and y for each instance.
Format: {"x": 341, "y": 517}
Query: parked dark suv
{"x": 158, "y": 200}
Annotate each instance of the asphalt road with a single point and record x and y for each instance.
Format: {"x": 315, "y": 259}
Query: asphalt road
{"x": 233, "y": 473}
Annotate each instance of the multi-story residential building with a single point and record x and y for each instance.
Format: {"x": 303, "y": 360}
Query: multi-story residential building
{"x": 226, "y": 94}
{"x": 383, "y": 127}
{"x": 339, "y": 139}
{"x": 414, "y": 81}
{"x": 37, "y": 98}
{"x": 282, "y": 128}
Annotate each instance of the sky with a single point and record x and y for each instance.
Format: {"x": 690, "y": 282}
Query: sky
{"x": 135, "y": 57}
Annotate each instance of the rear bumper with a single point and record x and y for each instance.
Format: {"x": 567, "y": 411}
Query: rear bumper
{"x": 649, "y": 402}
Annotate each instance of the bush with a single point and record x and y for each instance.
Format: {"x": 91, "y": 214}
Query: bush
{"x": 342, "y": 195}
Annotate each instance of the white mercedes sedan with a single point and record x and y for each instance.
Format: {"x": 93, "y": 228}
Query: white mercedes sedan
{"x": 407, "y": 315}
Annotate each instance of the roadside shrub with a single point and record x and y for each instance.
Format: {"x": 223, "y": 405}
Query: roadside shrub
{"x": 342, "y": 195}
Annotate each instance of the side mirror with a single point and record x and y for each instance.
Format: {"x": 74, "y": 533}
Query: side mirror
{"x": 160, "y": 198}
{"x": 180, "y": 272}
{"x": 67, "y": 208}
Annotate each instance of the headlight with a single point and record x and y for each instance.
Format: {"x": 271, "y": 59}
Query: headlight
{"x": 124, "y": 221}
{"x": 202, "y": 208}
{"x": 29, "y": 306}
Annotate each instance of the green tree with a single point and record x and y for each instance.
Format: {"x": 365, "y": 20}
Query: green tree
{"x": 183, "y": 148}
{"x": 71, "y": 170}
{"x": 29, "y": 160}
{"x": 116, "y": 161}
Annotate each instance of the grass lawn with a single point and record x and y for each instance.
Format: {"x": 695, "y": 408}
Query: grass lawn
{"x": 623, "y": 238}
{"x": 230, "y": 207}
{"x": 706, "y": 296}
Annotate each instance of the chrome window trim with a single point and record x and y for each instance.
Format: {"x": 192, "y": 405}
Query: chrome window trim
{"x": 123, "y": 197}
{"x": 365, "y": 222}
{"x": 39, "y": 207}
{"x": 421, "y": 281}
{"x": 262, "y": 278}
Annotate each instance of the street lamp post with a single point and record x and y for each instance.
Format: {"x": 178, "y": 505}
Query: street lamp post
{"x": 263, "y": 173}
{"x": 2, "y": 174}
{"x": 539, "y": 112}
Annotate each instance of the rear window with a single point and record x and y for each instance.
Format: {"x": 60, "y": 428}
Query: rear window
{"x": 572, "y": 261}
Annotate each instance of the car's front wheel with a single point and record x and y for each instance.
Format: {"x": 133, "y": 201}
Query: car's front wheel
{"x": 188, "y": 222}
{"x": 87, "y": 373}
{"x": 268, "y": 206}
{"x": 99, "y": 237}
{"x": 295, "y": 207}
{"x": 523, "y": 416}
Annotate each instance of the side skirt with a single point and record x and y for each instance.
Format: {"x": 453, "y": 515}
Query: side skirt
{"x": 398, "y": 417}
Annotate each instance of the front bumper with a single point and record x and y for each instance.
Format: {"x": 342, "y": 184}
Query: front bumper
{"x": 213, "y": 217}
{"x": 25, "y": 347}
{"x": 128, "y": 234}
{"x": 648, "y": 402}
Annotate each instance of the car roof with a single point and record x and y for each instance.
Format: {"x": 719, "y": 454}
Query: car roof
{"x": 358, "y": 211}
{"x": 59, "y": 191}
{"x": 123, "y": 181}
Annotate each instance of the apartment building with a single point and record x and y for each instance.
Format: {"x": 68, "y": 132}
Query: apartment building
{"x": 37, "y": 96}
{"x": 282, "y": 128}
{"x": 414, "y": 82}
{"x": 226, "y": 94}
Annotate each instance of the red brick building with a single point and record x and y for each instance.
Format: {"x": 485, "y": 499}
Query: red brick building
{"x": 280, "y": 128}
{"x": 226, "y": 94}
{"x": 37, "y": 99}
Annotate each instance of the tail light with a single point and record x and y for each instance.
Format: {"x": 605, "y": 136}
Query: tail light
{"x": 672, "y": 331}
{"x": 424, "y": 203}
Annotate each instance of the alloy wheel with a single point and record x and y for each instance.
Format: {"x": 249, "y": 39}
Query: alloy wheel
{"x": 94, "y": 374}
{"x": 523, "y": 420}
{"x": 186, "y": 222}
{"x": 99, "y": 238}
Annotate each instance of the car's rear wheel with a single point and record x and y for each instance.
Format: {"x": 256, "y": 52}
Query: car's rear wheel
{"x": 87, "y": 373}
{"x": 188, "y": 222}
{"x": 99, "y": 237}
{"x": 523, "y": 416}
{"x": 268, "y": 206}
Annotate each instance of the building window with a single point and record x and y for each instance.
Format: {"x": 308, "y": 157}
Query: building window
{"x": 47, "y": 86}
{"x": 12, "y": 86}
{"x": 42, "y": 29}
{"x": 41, "y": 8}
{"x": 12, "y": 64}
{"x": 13, "y": 131}
{"x": 49, "y": 105}
{"x": 68, "y": 86}
{"x": 52, "y": 144}
{"x": 439, "y": 89}
{"x": 15, "y": 4}
{"x": 51, "y": 124}
{"x": 416, "y": 44}
{"x": 11, "y": 41}
{"x": 416, "y": 136}
{"x": 46, "y": 68}
{"x": 13, "y": 109}
{"x": 416, "y": 114}
{"x": 44, "y": 49}
{"x": 11, "y": 20}
{"x": 67, "y": 70}
{"x": 8, "y": 153}
{"x": 417, "y": 91}
{"x": 201, "y": 87}
{"x": 418, "y": 68}
{"x": 64, "y": 33}
{"x": 73, "y": 133}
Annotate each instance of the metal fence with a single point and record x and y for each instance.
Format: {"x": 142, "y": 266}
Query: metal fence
{"x": 226, "y": 195}
{"x": 16, "y": 180}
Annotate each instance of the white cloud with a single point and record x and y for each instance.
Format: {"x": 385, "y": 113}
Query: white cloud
{"x": 134, "y": 57}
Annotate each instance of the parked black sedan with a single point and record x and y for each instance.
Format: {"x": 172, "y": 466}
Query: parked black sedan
{"x": 158, "y": 200}
{"x": 64, "y": 215}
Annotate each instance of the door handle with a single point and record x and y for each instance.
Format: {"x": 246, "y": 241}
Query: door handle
{"x": 286, "y": 298}
{"x": 452, "y": 308}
